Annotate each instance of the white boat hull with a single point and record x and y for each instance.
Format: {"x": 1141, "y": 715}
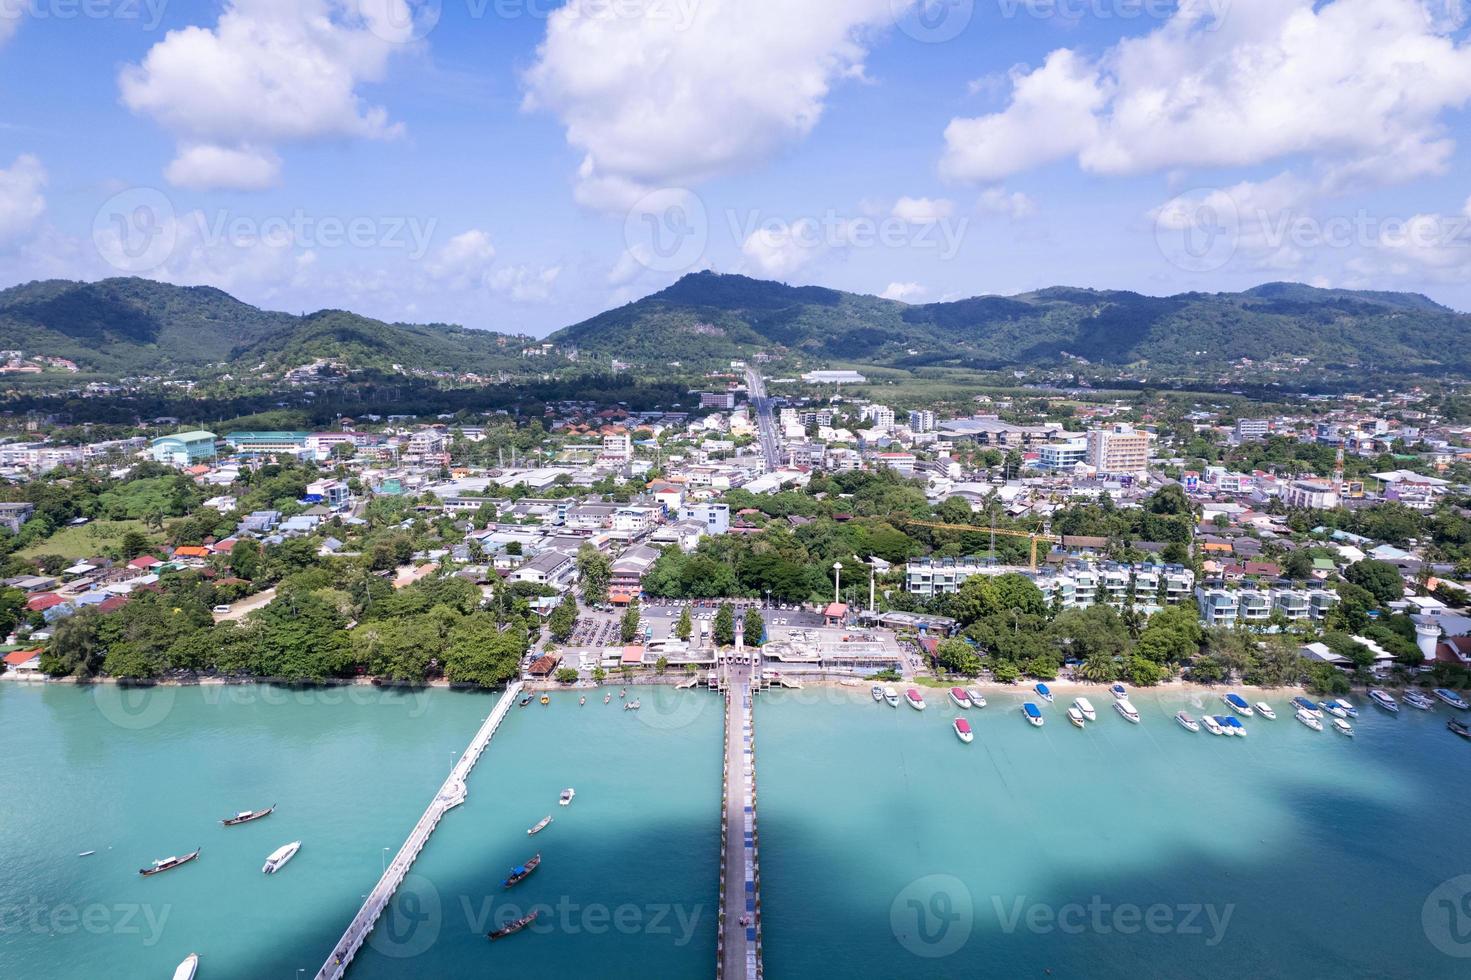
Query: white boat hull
{"x": 279, "y": 857}
{"x": 187, "y": 969}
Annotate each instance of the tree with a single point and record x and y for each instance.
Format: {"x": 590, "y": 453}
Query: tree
{"x": 12, "y": 607}
{"x": 596, "y": 571}
{"x": 1172, "y": 636}
{"x": 76, "y": 648}
{"x": 661, "y": 665}
{"x": 566, "y": 675}
{"x": 723, "y": 629}
{"x": 1298, "y": 565}
{"x": 1380, "y": 579}
{"x": 245, "y": 560}
{"x": 563, "y": 619}
{"x": 599, "y": 675}
{"x": 1145, "y": 673}
{"x": 957, "y": 657}
{"x": 685, "y": 626}
{"x": 1099, "y": 669}
{"x": 753, "y": 627}
{"x": 1005, "y": 673}
{"x": 133, "y": 544}
{"x": 479, "y": 652}
{"x": 628, "y": 628}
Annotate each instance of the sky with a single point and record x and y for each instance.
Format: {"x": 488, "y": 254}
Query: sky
{"x": 520, "y": 165}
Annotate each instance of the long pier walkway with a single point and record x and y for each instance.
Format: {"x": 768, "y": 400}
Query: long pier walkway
{"x": 451, "y": 794}
{"x": 739, "y": 942}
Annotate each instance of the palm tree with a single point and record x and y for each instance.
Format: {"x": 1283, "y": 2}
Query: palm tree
{"x": 1098, "y": 669}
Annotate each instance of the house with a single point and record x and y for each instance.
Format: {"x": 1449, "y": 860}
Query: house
{"x": 629, "y": 569}
{"x": 553, "y": 568}
{"x": 836, "y": 613}
{"x": 331, "y": 493}
{"x": 24, "y": 662}
{"x": 183, "y": 448}
{"x": 191, "y": 551}
{"x": 545, "y": 665}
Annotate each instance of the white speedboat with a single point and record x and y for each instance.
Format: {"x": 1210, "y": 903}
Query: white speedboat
{"x": 1186, "y": 722}
{"x": 567, "y": 796}
{"x": 1232, "y": 725}
{"x": 1119, "y": 691}
{"x": 977, "y": 699}
{"x": 1075, "y": 716}
{"x": 1130, "y": 713}
{"x": 891, "y": 697}
{"x": 1238, "y": 704}
{"x": 187, "y": 969}
{"x": 1033, "y": 713}
{"x": 1044, "y": 692}
{"x": 1342, "y": 727}
{"x": 1347, "y": 707}
{"x": 1309, "y": 719}
{"x": 1303, "y": 704}
{"x": 1211, "y": 725}
{"x": 1452, "y": 698}
{"x": 1265, "y": 710}
{"x": 1332, "y": 709}
{"x": 1417, "y": 700}
{"x": 914, "y": 699}
{"x": 1086, "y": 707}
{"x": 961, "y": 699}
{"x": 1385, "y": 700}
{"x": 962, "y": 730}
{"x": 280, "y": 856}
{"x": 877, "y": 691}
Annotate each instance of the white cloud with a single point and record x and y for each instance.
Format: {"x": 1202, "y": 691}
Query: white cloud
{"x": 661, "y": 92}
{"x": 1009, "y": 204}
{"x": 1359, "y": 85}
{"x": 524, "y": 284}
{"x": 904, "y": 292}
{"x": 463, "y": 261}
{"x": 21, "y": 200}
{"x": 11, "y": 12}
{"x": 781, "y": 248}
{"x": 922, "y": 210}
{"x": 269, "y": 72}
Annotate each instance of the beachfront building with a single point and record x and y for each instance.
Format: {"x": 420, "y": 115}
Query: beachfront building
{"x": 267, "y": 443}
{"x": 183, "y": 448}
{"x": 1075, "y": 585}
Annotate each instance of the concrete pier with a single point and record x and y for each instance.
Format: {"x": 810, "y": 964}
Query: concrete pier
{"x": 739, "y": 942}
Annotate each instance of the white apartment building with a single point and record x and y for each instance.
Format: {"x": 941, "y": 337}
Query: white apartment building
{"x": 1118, "y": 449}
{"x": 617, "y": 445}
{"x": 714, "y": 517}
{"x": 882, "y": 416}
{"x": 1310, "y": 494}
{"x": 1062, "y": 456}
{"x": 922, "y": 420}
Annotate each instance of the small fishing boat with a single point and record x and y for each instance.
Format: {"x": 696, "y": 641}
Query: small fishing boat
{"x": 1332, "y": 709}
{"x": 1417, "y": 700}
{"x": 1033, "y": 713}
{"x": 1347, "y": 707}
{"x": 1044, "y": 692}
{"x": 521, "y": 872}
{"x": 187, "y": 969}
{"x": 1119, "y": 691}
{"x": 891, "y": 697}
{"x": 1232, "y": 725}
{"x": 633, "y": 705}
{"x": 86, "y": 854}
{"x": 545, "y": 699}
{"x": 567, "y": 795}
{"x": 1265, "y": 710}
{"x": 914, "y": 699}
{"x": 1452, "y": 698}
{"x": 977, "y": 699}
{"x": 1303, "y": 704}
{"x": 1309, "y": 719}
{"x": 1211, "y": 725}
{"x": 1074, "y": 716}
{"x": 607, "y": 698}
{"x": 961, "y": 699}
{"x": 1385, "y": 700}
{"x": 168, "y": 863}
{"x": 581, "y": 701}
{"x": 279, "y": 857}
{"x": 1130, "y": 713}
{"x": 525, "y": 700}
{"x": 1186, "y": 722}
{"x": 1238, "y": 704}
{"x": 1086, "y": 707}
{"x": 962, "y": 730}
{"x": 1342, "y": 726}
{"x": 1459, "y": 727}
{"x": 245, "y": 816}
{"x": 622, "y": 691}
{"x": 878, "y": 693}
{"x": 540, "y": 825}
{"x": 515, "y": 926}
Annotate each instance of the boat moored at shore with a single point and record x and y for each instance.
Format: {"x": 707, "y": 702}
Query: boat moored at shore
{"x": 1265, "y": 710}
{"x": 1211, "y": 725}
{"x": 1232, "y": 725}
{"x": 1309, "y": 719}
{"x": 1451, "y": 698}
{"x": 1417, "y": 700}
{"x": 1119, "y": 691}
{"x": 1238, "y": 704}
{"x": 977, "y": 699}
{"x": 891, "y": 697}
{"x": 1033, "y": 713}
{"x": 961, "y": 699}
{"x": 1130, "y": 713}
{"x": 1075, "y": 717}
{"x": 279, "y": 857}
{"x": 1385, "y": 700}
{"x": 878, "y": 692}
{"x": 1044, "y": 692}
{"x": 1459, "y": 727}
{"x": 962, "y": 730}
{"x": 914, "y": 699}
{"x": 1303, "y": 704}
{"x": 1086, "y": 707}
{"x": 1342, "y": 726}
{"x": 1186, "y": 722}
{"x": 1347, "y": 707}
{"x": 1332, "y": 709}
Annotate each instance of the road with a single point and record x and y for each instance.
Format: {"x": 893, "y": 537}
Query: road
{"x": 765, "y": 424}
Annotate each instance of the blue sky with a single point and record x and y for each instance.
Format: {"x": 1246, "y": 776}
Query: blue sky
{"x": 522, "y": 164}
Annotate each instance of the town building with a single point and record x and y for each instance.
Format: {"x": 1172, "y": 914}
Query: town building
{"x": 1118, "y": 450}
{"x": 183, "y": 448}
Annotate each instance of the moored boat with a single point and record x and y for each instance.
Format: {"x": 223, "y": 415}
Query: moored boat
{"x": 525, "y": 700}
{"x": 245, "y": 816}
{"x": 914, "y": 699}
{"x": 1043, "y": 691}
{"x": 607, "y": 698}
{"x": 1417, "y": 700}
{"x": 279, "y": 857}
{"x": 582, "y": 700}
{"x": 961, "y": 699}
{"x": 1332, "y": 709}
{"x": 877, "y": 691}
{"x": 567, "y": 795}
{"x": 168, "y": 863}
{"x": 523, "y": 871}
{"x": 1238, "y": 704}
{"x": 962, "y": 730}
{"x": 891, "y": 697}
{"x": 1303, "y": 704}
{"x": 540, "y": 825}
{"x": 1459, "y": 727}
{"x": 1265, "y": 710}
{"x": 514, "y": 926}
{"x": 1130, "y": 713}
{"x": 1074, "y": 716}
{"x": 633, "y": 705}
{"x": 1342, "y": 726}
{"x": 545, "y": 699}
{"x": 1385, "y": 700}
{"x": 1451, "y": 698}
{"x": 1309, "y": 719}
{"x": 1119, "y": 691}
{"x": 187, "y": 969}
{"x": 1086, "y": 707}
{"x": 1211, "y": 725}
{"x": 977, "y": 699}
{"x": 1186, "y": 722}
{"x": 1347, "y": 707}
{"x": 1232, "y": 725}
{"x": 1033, "y": 713}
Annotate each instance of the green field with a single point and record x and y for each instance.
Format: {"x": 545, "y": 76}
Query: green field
{"x": 87, "y": 540}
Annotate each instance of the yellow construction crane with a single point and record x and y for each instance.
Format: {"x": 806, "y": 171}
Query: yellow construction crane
{"x": 1035, "y": 536}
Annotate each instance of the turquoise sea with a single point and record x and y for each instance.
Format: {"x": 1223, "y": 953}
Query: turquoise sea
{"x": 889, "y": 849}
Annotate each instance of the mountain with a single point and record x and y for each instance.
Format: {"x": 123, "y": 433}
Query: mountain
{"x": 138, "y": 326}
{"x": 710, "y": 317}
